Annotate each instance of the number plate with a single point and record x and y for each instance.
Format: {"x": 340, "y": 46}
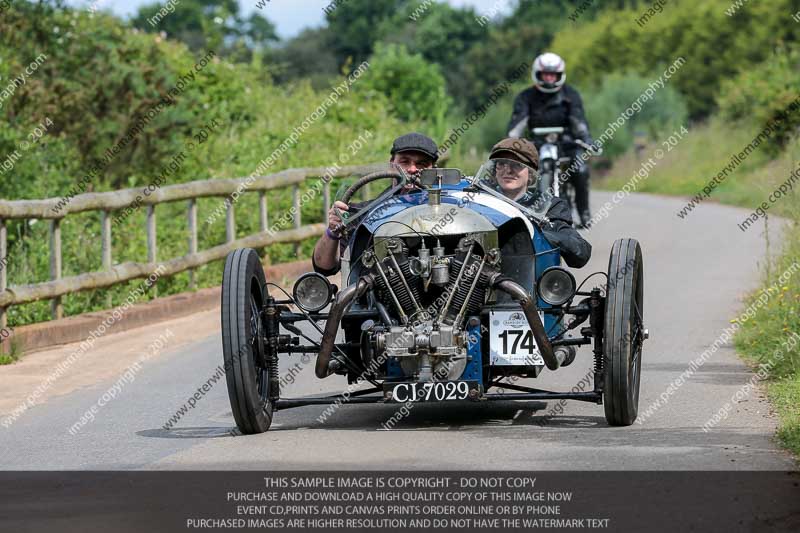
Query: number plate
{"x": 511, "y": 341}
{"x": 430, "y": 391}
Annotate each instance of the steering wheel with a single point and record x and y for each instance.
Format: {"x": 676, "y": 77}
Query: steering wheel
{"x": 369, "y": 178}
{"x": 358, "y": 185}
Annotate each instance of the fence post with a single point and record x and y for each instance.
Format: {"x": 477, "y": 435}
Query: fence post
{"x": 262, "y": 211}
{"x": 296, "y": 210}
{"x": 326, "y": 199}
{"x": 192, "y": 216}
{"x": 152, "y": 242}
{"x": 56, "y": 307}
{"x": 3, "y": 267}
{"x": 105, "y": 237}
{"x": 263, "y": 221}
{"x": 230, "y": 222}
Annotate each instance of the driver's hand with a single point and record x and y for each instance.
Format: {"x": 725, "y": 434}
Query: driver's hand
{"x": 334, "y": 220}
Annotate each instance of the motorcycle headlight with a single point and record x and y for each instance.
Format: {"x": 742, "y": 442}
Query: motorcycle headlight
{"x": 312, "y": 292}
{"x": 556, "y": 286}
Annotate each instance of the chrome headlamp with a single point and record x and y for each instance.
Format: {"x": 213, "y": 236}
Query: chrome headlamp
{"x": 556, "y": 286}
{"x": 312, "y": 292}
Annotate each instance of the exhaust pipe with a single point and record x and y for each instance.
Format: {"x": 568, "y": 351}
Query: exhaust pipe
{"x": 340, "y": 304}
{"x": 525, "y": 300}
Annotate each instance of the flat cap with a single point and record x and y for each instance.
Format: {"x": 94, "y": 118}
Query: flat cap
{"x": 416, "y": 142}
{"x": 524, "y": 149}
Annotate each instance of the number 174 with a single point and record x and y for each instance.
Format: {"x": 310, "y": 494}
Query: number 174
{"x": 522, "y": 340}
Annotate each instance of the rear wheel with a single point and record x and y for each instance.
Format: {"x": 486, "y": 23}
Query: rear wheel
{"x": 246, "y": 367}
{"x": 624, "y": 333}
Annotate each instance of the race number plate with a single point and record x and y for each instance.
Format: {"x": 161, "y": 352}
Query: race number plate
{"x": 511, "y": 342}
{"x": 430, "y": 391}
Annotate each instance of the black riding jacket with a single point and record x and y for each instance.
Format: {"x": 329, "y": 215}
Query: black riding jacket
{"x": 536, "y": 109}
{"x": 575, "y": 250}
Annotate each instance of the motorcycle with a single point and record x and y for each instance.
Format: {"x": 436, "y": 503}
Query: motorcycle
{"x": 553, "y": 170}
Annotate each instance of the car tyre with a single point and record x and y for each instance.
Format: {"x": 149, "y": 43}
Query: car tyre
{"x": 623, "y": 333}
{"x": 246, "y": 371}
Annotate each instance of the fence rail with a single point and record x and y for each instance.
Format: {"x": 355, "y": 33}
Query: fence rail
{"x": 108, "y": 202}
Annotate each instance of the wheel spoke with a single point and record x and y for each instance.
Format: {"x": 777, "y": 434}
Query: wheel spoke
{"x": 638, "y": 312}
{"x": 256, "y": 343}
{"x": 263, "y": 384}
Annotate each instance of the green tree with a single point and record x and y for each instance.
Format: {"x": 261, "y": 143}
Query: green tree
{"x": 209, "y": 24}
{"x": 498, "y": 58}
{"x": 443, "y": 35}
{"x": 355, "y": 27}
{"x": 307, "y": 56}
{"x": 414, "y": 87}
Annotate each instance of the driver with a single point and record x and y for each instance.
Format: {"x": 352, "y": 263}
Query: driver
{"x": 517, "y": 161}
{"x": 411, "y": 152}
{"x": 553, "y": 103}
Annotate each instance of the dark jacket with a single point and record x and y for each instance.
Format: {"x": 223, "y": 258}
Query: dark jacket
{"x": 536, "y": 109}
{"x": 575, "y": 250}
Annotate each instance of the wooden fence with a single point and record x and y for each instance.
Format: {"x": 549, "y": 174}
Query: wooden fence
{"x": 106, "y": 203}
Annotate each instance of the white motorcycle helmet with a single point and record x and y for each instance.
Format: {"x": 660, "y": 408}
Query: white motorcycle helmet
{"x": 549, "y": 62}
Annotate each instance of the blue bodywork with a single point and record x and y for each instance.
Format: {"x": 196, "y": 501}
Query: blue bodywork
{"x": 546, "y": 256}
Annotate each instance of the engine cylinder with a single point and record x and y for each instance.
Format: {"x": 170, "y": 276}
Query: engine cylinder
{"x": 405, "y": 298}
{"x": 478, "y": 296}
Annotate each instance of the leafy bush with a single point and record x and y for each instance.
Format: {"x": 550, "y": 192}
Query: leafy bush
{"x": 767, "y": 94}
{"x": 414, "y": 87}
{"x": 664, "y": 113}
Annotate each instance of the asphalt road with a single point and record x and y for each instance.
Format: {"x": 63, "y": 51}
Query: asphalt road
{"x": 696, "y": 272}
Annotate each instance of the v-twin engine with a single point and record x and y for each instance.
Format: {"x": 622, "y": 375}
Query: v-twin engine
{"x": 426, "y": 299}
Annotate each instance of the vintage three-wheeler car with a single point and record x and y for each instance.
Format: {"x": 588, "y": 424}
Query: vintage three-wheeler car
{"x": 448, "y": 290}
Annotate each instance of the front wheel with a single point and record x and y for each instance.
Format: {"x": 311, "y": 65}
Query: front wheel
{"x": 624, "y": 333}
{"x": 547, "y": 179}
{"x": 247, "y": 369}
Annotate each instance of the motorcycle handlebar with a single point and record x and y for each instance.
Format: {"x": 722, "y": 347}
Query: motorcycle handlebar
{"x": 589, "y": 148}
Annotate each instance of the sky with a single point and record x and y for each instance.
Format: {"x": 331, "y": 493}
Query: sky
{"x": 289, "y": 16}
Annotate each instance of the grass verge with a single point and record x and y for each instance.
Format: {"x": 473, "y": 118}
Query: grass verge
{"x": 769, "y": 341}
{"x": 11, "y": 357}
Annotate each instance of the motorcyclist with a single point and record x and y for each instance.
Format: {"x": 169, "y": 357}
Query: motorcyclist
{"x": 411, "y": 152}
{"x": 553, "y": 103}
{"x": 516, "y": 162}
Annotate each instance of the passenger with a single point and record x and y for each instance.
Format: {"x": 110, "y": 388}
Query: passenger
{"x": 518, "y": 159}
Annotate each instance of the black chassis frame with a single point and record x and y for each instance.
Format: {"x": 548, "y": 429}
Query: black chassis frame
{"x": 276, "y": 313}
